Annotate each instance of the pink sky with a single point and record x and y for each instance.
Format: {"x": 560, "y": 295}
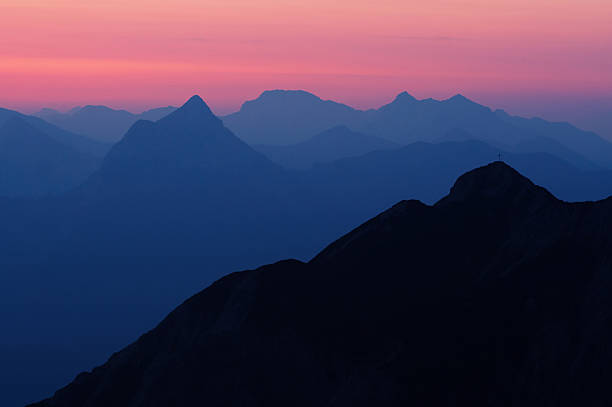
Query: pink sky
{"x": 137, "y": 54}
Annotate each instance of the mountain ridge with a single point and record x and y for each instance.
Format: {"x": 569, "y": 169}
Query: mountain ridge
{"x": 488, "y": 322}
{"x": 284, "y": 119}
{"x": 101, "y": 122}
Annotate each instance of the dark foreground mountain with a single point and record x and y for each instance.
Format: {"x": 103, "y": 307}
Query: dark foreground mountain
{"x": 499, "y": 294}
{"x": 32, "y": 163}
{"x": 289, "y": 117}
{"x": 330, "y": 145}
{"x": 101, "y": 122}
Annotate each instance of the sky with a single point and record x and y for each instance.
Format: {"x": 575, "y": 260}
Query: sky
{"x": 138, "y": 54}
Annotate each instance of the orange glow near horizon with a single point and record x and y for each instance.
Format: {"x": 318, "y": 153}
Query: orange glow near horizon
{"x": 140, "y": 54}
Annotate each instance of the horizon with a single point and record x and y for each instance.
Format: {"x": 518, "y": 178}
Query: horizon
{"x": 529, "y": 59}
{"x": 569, "y": 111}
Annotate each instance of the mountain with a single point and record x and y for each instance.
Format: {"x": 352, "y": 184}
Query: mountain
{"x": 179, "y": 203}
{"x": 496, "y": 295}
{"x": 289, "y": 117}
{"x": 75, "y": 141}
{"x": 101, "y": 122}
{"x": 424, "y": 171}
{"x": 175, "y": 204}
{"x": 285, "y": 117}
{"x": 587, "y": 144}
{"x": 185, "y": 176}
{"x": 330, "y": 145}
{"x": 32, "y": 163}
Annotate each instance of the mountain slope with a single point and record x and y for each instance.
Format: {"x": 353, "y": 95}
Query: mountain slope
{"x": 32, "y": 163}
{"x": 330, "y": 145}
{"x": 101, "y": 122}
{"x": 75, "y": 141}
{"x": 174, "y": 185}
{"x": 514, "y": 312}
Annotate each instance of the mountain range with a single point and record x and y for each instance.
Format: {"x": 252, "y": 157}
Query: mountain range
{"x": 182, "y": 201}
{"x": 100, "y": 122}
{"x": 331, "y": 145}
{"x": 495, "y": 295}
{"x": 290, "y": 117}
{"x": 38, "y": 158}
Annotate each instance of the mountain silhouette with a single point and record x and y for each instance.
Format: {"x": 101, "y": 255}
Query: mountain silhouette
{"x": 289, "y": 117}
{"x": 191, "y": 139}
{"x": 180, "y": 202}
{"x": 330, "y": 145}
{"x": 32, "y": 163}
{"x": 173, "y": 185}
{"x": 424, "y": 171}
{"x": 77, "y": 142}
{"x": 285, "y": 117}
{"x": 101, "y": 122}
{"x": 495, "y": 295}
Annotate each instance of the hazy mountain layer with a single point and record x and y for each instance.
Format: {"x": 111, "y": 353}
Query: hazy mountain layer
{"x": 330, "y": 145}
{"x": 289, "y": 117}
{"x": 32, "y": 163}
{"x": 75, "y": 141}
{"x": 101, "y": 122}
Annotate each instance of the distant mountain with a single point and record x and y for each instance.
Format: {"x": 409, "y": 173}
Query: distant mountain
{"x": 32, "y": 163}
{"x": 496, "y": 295}
{"x": 77, "y": 142}
{"x": 285, "y": 117}
{"x": 185, "y": 174}
{"x": 587, "y": 144}
{"x": 101, "y": 122}
{"x": 289, "y": 117}
{"x": 330, "y": 145}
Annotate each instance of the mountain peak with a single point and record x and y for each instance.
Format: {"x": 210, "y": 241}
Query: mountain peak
{"x": 405, "y": 97}
{"x": 194, "y": 109}
{"x": 496, "y": 181}
{"x": 459, "y": 98}
{"x": 195, "y": 103}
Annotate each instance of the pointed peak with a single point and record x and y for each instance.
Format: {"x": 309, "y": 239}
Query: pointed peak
{"x": 496, "y": 181}
{"x": 195, "y": 102}
{"x": 405, "y": 97}
{"x": 194, "y": 108}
